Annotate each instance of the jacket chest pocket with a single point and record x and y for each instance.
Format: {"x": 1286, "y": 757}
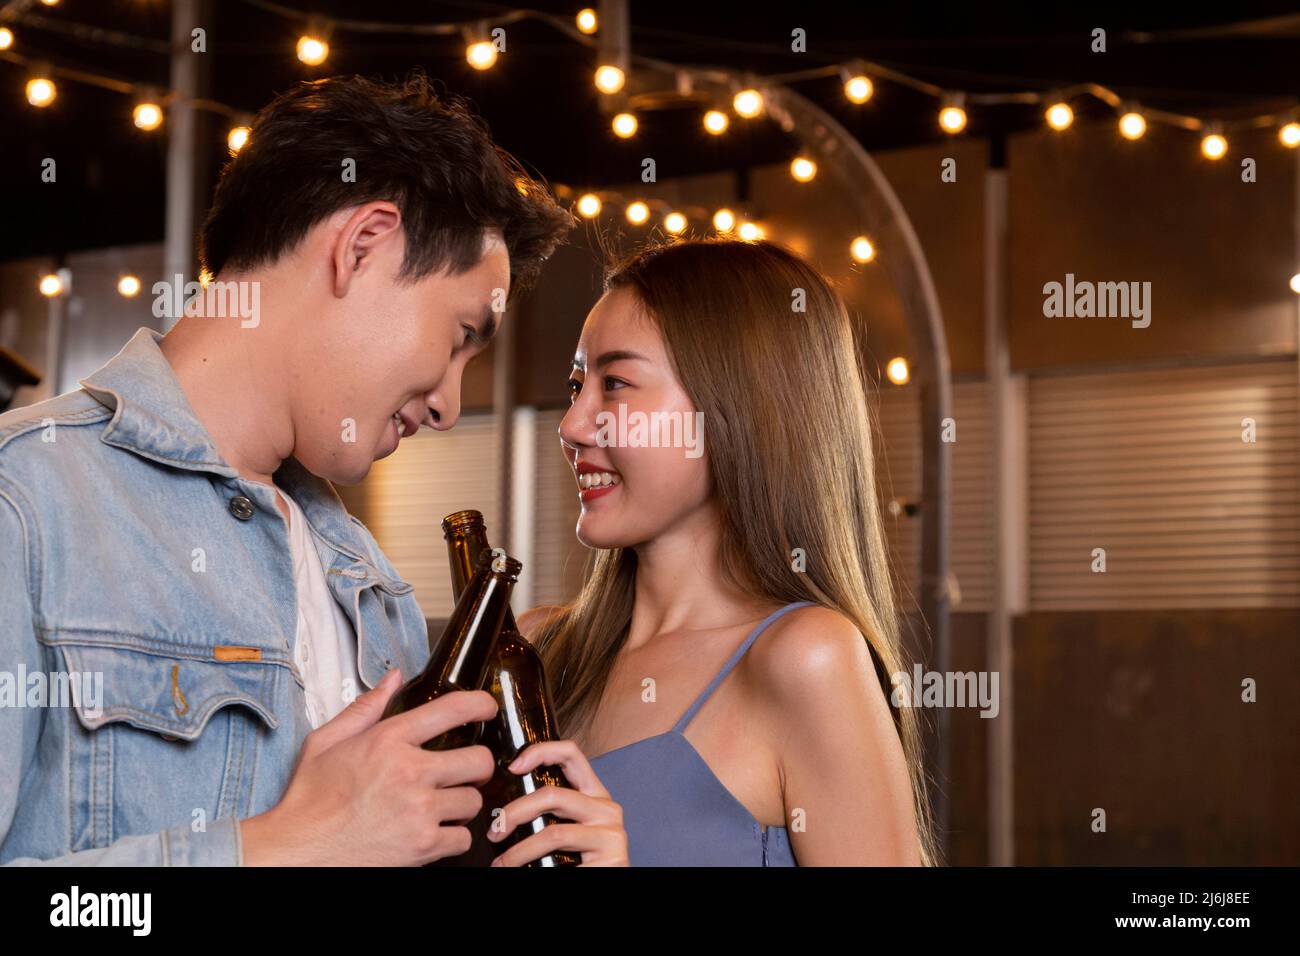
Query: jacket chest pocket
{"x": 162, "y": 736}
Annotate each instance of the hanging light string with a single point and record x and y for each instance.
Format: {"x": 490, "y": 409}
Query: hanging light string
{"x": 690, "y": 85}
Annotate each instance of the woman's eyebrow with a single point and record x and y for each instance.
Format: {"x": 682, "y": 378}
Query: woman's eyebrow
{"x": 606, "y": 358}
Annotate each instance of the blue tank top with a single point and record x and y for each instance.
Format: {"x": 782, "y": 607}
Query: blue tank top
{"x": 675, "y": 809}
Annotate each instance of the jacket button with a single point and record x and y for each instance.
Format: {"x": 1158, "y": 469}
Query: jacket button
{"x": 241, "y": 507}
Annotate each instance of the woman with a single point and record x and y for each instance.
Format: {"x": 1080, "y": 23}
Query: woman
{"x": 729, "y": 656}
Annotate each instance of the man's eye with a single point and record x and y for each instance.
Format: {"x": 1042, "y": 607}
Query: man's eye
{"x": 471, "y": 336}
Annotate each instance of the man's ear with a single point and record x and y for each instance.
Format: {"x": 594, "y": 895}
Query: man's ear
{"x": 367, "y": 229}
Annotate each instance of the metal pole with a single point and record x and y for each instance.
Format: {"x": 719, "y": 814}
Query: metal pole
{"x": 182, "y": 147}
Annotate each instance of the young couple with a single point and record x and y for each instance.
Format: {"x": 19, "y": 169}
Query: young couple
{"x": 173, "y": 551}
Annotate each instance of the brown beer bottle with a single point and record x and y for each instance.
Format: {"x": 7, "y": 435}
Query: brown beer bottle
{"x": 461, "y": 657}
{"x": 525, "y": 711}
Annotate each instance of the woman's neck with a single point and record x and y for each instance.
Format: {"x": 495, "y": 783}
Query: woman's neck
{"x": 680, "y": 584}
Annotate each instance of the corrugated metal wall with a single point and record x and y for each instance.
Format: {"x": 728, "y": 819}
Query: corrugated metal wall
{"x": 1151, "y": 467}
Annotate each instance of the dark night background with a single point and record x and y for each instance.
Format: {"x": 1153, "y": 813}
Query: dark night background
{"x": 540, "y": 103}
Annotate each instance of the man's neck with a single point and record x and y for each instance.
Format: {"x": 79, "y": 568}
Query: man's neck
{"x": 226, "y": 373}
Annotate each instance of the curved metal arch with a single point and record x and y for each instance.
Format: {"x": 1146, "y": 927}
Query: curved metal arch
{"x": 837, "y": 151}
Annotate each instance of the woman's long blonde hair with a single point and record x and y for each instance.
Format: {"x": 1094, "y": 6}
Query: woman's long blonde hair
{"x": 789, "y": 446}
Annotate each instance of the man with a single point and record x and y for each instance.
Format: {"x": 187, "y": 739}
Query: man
{"x": 172, "y": 556}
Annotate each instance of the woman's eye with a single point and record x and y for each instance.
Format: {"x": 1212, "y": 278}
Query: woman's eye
{"x": 612, "y": 383}
{"x": 575, "y": 386}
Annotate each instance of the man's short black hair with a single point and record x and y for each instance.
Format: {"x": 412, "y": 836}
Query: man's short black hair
{"x": 427, "y": 152}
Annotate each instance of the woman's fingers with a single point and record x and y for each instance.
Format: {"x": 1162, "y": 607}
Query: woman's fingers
{"x": 599, "y": 846}
{"x": 569, "y": 757}
{"x": 560, "y": 801}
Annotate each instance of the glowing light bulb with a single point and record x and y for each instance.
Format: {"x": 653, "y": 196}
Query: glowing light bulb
{"x": 147, "y": 116}
{"x": 724, "y": 220}
{"x": 952, "y": 119}
{"x": 609, "y": 79}
{"x": 41, "y": 91}
{"x": 589, "y": 206}
{"x": 1059, "y": 116}
{"x": 481, "y": 55}
{"x": 803, "y": 169}
{"x": 748, "y": 103}
{"x": 586, "y": 20}
{"x": 128, "y": 287}
{"x": 1289, "y": 135}
{"x": 858, "y": 89}
{"x": 751, "y": 231}
{"x": 51, "y": 285}
{"x": 1295, "y": 283}
{"x": 312, "y": 50}
{"x": 1132, "y": 125}
{"x": 6, "y": 38}
{"x": 675, "y": 223}
{"x": 237, "y": 138}
{"x": 898, "y": 371}
{"x": 862, "y": 250}
{"x": 1214, "y": 146}
{"x": 637, "y": 213}
{"x": 716, "y": 122}
{"x": 625, "y": 125}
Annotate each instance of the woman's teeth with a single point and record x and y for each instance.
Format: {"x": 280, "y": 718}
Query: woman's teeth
{"x": 597, "y": 479}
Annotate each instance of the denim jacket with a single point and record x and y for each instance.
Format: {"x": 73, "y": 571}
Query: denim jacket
{"x": 148, "y": 694}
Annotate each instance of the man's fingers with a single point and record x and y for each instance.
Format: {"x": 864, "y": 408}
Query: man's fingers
{"x": 423, "y": 723}
{"x": 360, "y": 715}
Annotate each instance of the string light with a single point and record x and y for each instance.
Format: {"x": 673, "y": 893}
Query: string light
{"x": 1289, "y": 135}
{"x": 481, "y": 55}
{"x": 51, "y": 285}
{"x": 1059, "y": 116}
{"x": 862, "y": 250}
{"x": 803, "y": 169}
{"x": 609, "y": 79}
{"x": 1132, "y": 125}
{"x": 898, "y": 371}
{"x": 237, "y": 138}
{"x": 751, "y": 231}
{"x": 716, "y": 122}
{"x": 1295, "y": 283}
{"x": 50, "y": 3}
{"x": 637, "y": 213}
{"x": 748, "y": 103}
{"x": 589, "y": 206}
{"x": 586, "y": 20}
{"x": 41, "y": 91}
{"x": 858, "y": 88}
{"x": 724, "y": 220}
{"x": 675, "y": 223}
{"x": 624, "y": 125}
{"x": 1214, "y": 146}
{"x": 147, "y": 116}
{"x": 312, "y": 50}
{"x": 952, "y": 118}
{"x": 128, "y": 287}
{"x": 6, "y": 38}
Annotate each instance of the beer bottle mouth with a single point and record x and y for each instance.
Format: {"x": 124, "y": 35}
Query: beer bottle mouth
{"x": 460, "y": 520}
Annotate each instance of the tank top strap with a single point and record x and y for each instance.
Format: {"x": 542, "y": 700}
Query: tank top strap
{"x": 680, "y": 726}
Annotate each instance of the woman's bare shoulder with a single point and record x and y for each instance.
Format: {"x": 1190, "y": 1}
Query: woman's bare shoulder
{"x": 535, "y": 617}
{"x": 813, "y": 651}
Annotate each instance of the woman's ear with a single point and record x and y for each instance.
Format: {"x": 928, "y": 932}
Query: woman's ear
{"x": 369, "y": 228}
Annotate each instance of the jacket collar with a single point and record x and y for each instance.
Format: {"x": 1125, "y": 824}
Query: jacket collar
{"x": 151, "y": 415}
{"x": 153, "y": 418}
